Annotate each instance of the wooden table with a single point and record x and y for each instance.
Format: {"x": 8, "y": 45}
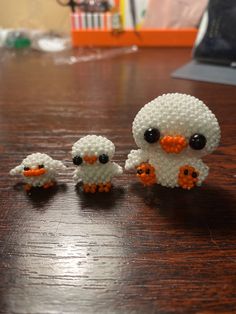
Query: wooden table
{"x": 135, "y": 250}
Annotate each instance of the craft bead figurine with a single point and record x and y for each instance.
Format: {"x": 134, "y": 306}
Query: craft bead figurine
{"x": 173, "y": 132}
{"x": 38, "y": 170}
{"x": 92, "y": 155}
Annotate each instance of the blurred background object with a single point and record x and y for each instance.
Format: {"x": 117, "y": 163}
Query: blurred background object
{"x": 174, "y": 13}
{"x": 34, "y": 14}
{"x": 214, "y": 53}
{"x": 48, "y": 15}
{"x": 86, "y": 5}
{"x": 216, "y": 40}
{"x": 17, "y": 40}
{"x": 107, "y": 23}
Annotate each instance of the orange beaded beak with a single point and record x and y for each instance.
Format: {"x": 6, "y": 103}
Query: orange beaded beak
{"x": 173, "y": 144}
{"x": 34, "y": 172}
{"x": 90, "y": 159}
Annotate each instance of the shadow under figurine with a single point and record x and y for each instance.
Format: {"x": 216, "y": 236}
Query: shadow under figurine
{"x": 173, "y": 132}
{"x": 38, "y": 170}
{"x": 92, "y": 155}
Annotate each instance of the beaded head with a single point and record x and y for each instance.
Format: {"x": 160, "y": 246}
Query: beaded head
{"x": 176, "y": 124}
{"x": 92, "y": 150}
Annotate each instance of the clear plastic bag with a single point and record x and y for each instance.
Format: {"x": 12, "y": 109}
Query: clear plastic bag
{"x": 92, "y": 54}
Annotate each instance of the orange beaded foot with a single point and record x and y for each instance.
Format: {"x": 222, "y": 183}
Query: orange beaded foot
{"x": 48, "y": 185}
{"x": 146, "y": 174}
{"x": 104, "y": 187}
{"x": 27, "y": 187}
{"x": 188, "y": 177}
{"x": 89, "y": 188}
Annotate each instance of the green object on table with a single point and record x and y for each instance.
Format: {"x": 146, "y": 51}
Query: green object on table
{"x": 17, "y": 40}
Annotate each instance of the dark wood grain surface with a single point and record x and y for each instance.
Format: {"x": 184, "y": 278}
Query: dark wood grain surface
{"x": 135, "y": 250}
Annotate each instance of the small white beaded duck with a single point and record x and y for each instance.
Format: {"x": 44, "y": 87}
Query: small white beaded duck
{"x": 38, "y": 170}
{"x": 173, "y": 132}
{"x": 92, "y": 155}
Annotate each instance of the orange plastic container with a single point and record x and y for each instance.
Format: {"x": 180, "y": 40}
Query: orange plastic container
{"x": 141, "y": 38}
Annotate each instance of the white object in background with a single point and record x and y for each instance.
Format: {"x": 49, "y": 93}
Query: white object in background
{"x": 108, "y": 19}
{"x": 89, "y": 20}
{"x": 77, "y": 23}
{"x": 203, "y": 28}
{"x": 3, "y": 36}
{"x": 51, "y": 43}
{"x": 83, "y": 20}
{"x": 102, "y": 22}
{"x": 95, "y": 20}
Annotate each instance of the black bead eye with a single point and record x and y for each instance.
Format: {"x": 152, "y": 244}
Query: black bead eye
{"x": 103, "y": 159}
{"x": 26, "y": 168}
{"x": 41, "y": 166}
{"x": 77, "y": 160}
{"x": 194, "y": 174}
{"x": 197, "y": 141}
{"x": 152, "y": 135}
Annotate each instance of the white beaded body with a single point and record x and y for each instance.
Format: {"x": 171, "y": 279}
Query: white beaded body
{"x": 38, "y": 169}
{"x": 96, "y": 174}
{"x": 167, "y": 167}
{"x": 92, "y": 155}
{"x": 172, "y": 131}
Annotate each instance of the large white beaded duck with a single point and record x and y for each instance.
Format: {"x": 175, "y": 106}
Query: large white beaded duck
{"x": 173, "y": 132}
{"x": 92, "y": 155}
{"x": 38, "y": 170}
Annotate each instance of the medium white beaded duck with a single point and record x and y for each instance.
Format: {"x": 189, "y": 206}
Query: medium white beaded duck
{"x": 173, "y": 132}
{"x": 92, "y": 154}
{"x": 38, "y": 170}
